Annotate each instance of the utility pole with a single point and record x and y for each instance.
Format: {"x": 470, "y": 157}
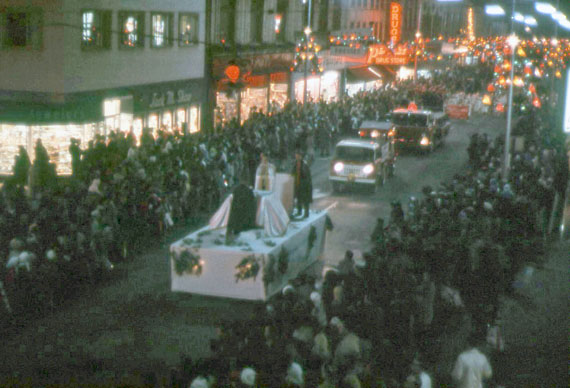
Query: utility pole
{"x": 418, "y": 35}
{"x": 307, "y": 34}
{"x": 507, "y": 156}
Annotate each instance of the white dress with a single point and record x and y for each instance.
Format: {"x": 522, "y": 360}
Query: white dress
{"x": 470, "y": 369}
{"x": 265, "y": 177}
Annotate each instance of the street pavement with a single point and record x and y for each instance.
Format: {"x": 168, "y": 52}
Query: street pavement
{"x": 133, "y": 323}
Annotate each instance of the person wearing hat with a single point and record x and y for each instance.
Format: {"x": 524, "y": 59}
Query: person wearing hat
{"x": 303, "y": 184}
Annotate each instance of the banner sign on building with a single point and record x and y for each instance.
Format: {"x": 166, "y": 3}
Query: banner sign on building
{"x": 380, "y": 54}
{"x": 395, "y": 31}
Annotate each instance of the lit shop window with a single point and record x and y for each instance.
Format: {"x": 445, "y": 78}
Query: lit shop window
{"x": 132, "y": 29}
{"x": 96, "y": 29}
{"x": 161, "y": 29}
{"x": 194, "y": 122}
{"x": 180, "y": 116}
{"x": 187, "y": 29}
{"x": 167, "y": 120}
{"x": 153, "y": 121}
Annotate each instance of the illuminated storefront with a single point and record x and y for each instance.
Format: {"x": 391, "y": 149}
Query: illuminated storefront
{"x": 171, "y": 106}
{"x": 262, "y": 86}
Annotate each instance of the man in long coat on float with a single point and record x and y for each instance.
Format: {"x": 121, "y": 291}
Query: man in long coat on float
{"x": 303, "y": 184}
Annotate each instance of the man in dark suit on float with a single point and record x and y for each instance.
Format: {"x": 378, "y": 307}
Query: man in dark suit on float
{"x": 303, "y": 184}
{"x": 243, "y": 209}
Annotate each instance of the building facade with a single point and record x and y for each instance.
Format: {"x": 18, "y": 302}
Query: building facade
{"x": 77, "y": 69}
{"x": 263, "y": 37}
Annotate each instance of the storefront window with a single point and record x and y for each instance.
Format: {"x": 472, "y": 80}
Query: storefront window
{"x": 226, "y": 108}
{"x": 167, "y": 120}
{"x": 180, "y": 116}
{"x": 194, "y": 122}
{"x": 278, "y": 96}
{"x": 253, "y": 100}
{"x": 330, "y": 85}
{"x": 313, "y": 88}
{"x": 11, "y": 137}
{"x": 153, "y": 121}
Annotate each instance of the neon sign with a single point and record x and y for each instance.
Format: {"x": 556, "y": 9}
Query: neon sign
{"x": 395, "y": 22}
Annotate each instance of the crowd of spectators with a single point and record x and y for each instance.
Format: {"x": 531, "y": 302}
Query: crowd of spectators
{"x": 386, "y": 322}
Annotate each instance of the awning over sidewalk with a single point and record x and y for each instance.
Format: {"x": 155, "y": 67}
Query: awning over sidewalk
{"x": 369, "y": 73}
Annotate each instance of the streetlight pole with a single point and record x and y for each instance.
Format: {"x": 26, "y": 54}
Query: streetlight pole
{"x": 507, "y": 156}
{"x": 418, "y": 34}
{"x": 307, "y": 34}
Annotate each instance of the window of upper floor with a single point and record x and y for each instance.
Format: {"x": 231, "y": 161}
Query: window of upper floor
{"x": 187, "y": 29}
{"x": 21, "y": 28}
{"x": 256, "y": 25}
{"x": 281, "y": 20}
{"x": 161, "y": 29}
{"x": 95, "y": 29}
{"x": 131, "y": 27}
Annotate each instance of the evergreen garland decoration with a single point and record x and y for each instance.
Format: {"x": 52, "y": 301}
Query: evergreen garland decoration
{"x": 269, "y": 271}
{"x": 247, "y": 268}
{"x": 187, "y": 262}
{"x": 283, "y": 261}
{"x": 312, "y": 237}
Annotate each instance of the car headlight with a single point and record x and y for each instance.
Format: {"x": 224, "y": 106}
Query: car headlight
{"x": 368, "y": 169}
{"x": 338, "y": 167}
{"x": 424, "y": 141}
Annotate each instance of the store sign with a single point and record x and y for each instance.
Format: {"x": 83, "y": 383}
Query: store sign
{"x": 257, "y": 64}
{"x": 170, "y": 97}
{"x": 342, "y": 57}
{"x": 379, "y": 54}
{"x": 395, "y": 31}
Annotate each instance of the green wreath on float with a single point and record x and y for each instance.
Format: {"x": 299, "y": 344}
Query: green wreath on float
{"x": 247, "y": 268}
{"x": 187, "y": 262}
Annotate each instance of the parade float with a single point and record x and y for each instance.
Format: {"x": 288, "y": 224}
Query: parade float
{"x": 257, "y": 263}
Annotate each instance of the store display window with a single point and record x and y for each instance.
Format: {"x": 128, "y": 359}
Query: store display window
{"x": 166, "y": 121}
{"x": 253, "y": 100}
{"x": 11, "y": 138}
{"x": 313, "y": 89}
{"x": 194, "y": 119}
{"x": 226, "y": 108}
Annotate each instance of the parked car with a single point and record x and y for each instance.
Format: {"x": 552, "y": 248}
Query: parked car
{"x": 421, "y": 129}
{"x": 363, "y": 162}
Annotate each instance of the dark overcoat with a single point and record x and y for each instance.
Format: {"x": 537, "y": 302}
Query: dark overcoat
{"x": 303, "y": 185}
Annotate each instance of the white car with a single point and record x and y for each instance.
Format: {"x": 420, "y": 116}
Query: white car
{"x": 366, "y": 162}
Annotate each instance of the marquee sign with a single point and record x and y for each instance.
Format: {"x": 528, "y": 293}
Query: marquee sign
{"x": 379, "y": 54}
{"x": 395, "y": 31}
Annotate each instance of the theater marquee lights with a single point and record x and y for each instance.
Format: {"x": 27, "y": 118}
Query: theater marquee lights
{"x": 395, "y": 22}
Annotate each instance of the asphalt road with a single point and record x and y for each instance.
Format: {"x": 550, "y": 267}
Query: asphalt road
{"x": 133, "y": 323}
{"x": 354, "y": 212}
